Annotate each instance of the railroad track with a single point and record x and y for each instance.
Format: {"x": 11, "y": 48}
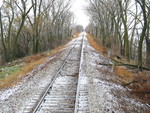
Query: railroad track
{"x": 67, "y": 92}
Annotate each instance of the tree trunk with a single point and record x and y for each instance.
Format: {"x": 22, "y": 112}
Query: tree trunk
{"x": 132, "y": 35}
{"x": 2, "y": 38}
{"x": 148, "y": 54}
{"x": 127, "y": 45}
{"x": 148, "y": 41}
{"x": 9, "y": 40}
{"x": 17, "y": 37}
{"x": 126, "y": 36}
{"x": 143, "y": 34}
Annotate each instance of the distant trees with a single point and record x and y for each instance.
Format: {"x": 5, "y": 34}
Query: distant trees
{"x": 78, "y": 29}
{"x": 123, "y": 26}
{"x": 32, "y": 26}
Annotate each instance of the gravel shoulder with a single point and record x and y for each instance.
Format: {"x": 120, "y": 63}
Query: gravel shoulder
{"x": 106, "y": 95}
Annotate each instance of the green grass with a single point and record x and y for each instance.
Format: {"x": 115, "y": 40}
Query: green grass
{"x": 8, "y": 70}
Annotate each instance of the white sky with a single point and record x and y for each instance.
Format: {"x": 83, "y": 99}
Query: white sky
{"x": 78, "y": 9}
{"x": 1, "y": 2}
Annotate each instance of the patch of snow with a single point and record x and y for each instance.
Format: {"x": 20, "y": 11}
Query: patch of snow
{"x": 105, "y": 94}
{"x": 15, "y": 99}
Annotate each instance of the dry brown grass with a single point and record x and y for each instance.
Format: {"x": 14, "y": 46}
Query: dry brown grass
{"x": 139, "y": 83}
{"x": 124, "y": 73}
{"x": 95, "y": 45}
{"x": 35, "y": 58}
{"x": 30, "y": 63}
{"x": 77, "y": 35}
{"x": 29, "y": 66}
{"x": 141, "y": 86}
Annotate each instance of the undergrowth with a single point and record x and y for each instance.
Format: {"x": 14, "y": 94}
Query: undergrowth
{"x": 95, "y": 45}
{"x": 7, "y": 71}
{"x": 141, "y": 85}
{"x": 122, "y": 72}
{"x": 12, "y": 74}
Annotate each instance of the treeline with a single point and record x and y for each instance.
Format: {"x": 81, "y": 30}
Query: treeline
{"x": 31, "y": 26}
{"x": 123, "y": 26}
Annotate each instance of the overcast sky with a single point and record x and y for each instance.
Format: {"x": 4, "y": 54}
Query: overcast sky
{"x": 78, "y": 9}
{"x": 1, "y": 2}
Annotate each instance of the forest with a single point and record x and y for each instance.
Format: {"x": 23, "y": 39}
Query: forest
{"x": 31, "y": 26}
{"x": 123, "y": 26}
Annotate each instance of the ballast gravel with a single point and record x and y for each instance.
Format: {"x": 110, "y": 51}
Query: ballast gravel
{"x": 105, "y": 94}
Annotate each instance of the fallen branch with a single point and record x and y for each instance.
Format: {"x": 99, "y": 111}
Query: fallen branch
{"x": 127, "y": 84}
{"x": 141, "y": 91}
{"x": 130, "y": 65}
{"x": 135, "y": 81}
{"x": 109, "y": 64}
{"x": 105, "y": 64}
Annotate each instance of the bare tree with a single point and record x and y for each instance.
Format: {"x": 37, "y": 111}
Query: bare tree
{"x": 9, "y": 16}
{"x": 38, "y": 24}
{"x": 115, "y": 23}
{"x": 143, "y": 6}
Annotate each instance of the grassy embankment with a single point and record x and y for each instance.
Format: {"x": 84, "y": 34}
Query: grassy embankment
{"x": 12, "y": 73}
{"x": 124, "y": 73}
{"x": 138, "y": 81}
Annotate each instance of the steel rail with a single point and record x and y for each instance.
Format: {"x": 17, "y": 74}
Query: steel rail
{"x": 35, "y": 109}
{"x": 78, "y": 83}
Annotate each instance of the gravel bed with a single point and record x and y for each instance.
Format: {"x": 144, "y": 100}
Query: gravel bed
{"x": 106, "y": 95}
{"x": 15, "y": 99}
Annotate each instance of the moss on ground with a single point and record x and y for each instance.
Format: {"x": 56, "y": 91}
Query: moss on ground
{"x": 6, "y": 71}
